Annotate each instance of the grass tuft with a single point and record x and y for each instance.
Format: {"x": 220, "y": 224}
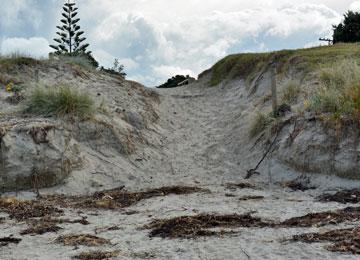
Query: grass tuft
{"x": 59, "y": 101}
{"x": 291, "y": 92}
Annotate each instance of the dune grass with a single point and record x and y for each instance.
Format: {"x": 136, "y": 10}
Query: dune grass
{"x": 307, "y": 60}
{"x": 339, "y": 91}
{"x": 291, "y": 92}
{"x": 59, "y": 101}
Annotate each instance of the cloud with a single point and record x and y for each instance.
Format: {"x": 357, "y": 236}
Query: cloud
{"x": 156, "y": 38}
{"x": 164, "y": 71}
{"x": 36, "y": 47}
{"x": 355, "y": 6}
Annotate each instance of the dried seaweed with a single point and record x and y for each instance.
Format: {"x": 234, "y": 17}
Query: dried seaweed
{"x": 241, "y": 185}
{"x": 97, "y": 255}
{"x": 345, "y": 196}
{"x": 83, "y": 239}
{"x": 41, "y": 229}
{"x": 4, "y": 241}
{"x": 324, "y": 218}
{"x": 22, "y": 210}
{"x": 297, "y": 185}
{"x": 344, "y": 240}
{"x": 194, "y": 226}
{"x": 245, "y": 198}
{"x": 119, "y": 198}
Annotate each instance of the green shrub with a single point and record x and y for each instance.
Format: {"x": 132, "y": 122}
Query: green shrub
{"x": 291, "y": 92}
{"x": 339, "y": 93}
{"x": 59, "y": 101}
{"x": 259, "y": 124}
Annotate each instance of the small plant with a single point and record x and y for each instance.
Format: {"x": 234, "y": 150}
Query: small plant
{"x": 259, "y": 124}
{"x": 117, "y": 69}
{"x": 291, "y": 92}
{"x": 59, "y": 101}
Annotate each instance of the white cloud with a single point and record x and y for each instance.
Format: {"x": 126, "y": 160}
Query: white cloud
{"x": 157, "y": 38}
{"x": 355, "y": 6}
{"x": 36, "y": 47}
{"x": 164, "y": 71}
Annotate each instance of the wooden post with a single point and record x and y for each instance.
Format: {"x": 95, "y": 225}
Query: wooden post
{"x": 273, "y": 90}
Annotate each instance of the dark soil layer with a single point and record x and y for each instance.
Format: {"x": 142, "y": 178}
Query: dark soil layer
{"x": 344, "y": 240}
{"x": 346, "y": 196}
{"x": 96, "y": 255}
{"x": 194, "y": 226}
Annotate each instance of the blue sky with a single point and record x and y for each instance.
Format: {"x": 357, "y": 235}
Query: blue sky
{"x": 156, "y": 39}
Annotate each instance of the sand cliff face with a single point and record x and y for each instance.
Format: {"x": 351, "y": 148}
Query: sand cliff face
{"x": 140, "y": 136}
{"x": 38, "y": 152}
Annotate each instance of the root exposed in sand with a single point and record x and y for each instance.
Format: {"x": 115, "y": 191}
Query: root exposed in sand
{"x": 84, "y": 240}
{"x": 345, "y": 240}
{"x": 346, "y": 196}
{"x": 97, "y": 255}
{"x": 194, "y": 226}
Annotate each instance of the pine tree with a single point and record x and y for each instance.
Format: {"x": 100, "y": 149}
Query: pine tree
{"x": 71, "y": 40}
{"x": 349, "y": 29}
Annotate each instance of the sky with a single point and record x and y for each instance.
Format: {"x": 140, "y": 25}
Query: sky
{"x": 157, "y": 39}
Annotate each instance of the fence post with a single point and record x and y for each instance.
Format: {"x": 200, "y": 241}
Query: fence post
{"x": 273, "y": 90}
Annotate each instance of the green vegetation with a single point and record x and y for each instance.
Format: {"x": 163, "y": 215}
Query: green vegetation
{"x": 70, "y": 40}
{"x": 291, "y": 92}
{"x": 59, "y": 101}
{"x": 339, "y": 93}
{"x": 259, "y": 124}
{"x": 246, "y": 66}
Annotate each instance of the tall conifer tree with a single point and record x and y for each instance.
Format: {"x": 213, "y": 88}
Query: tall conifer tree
{"x": 70, "y": 40}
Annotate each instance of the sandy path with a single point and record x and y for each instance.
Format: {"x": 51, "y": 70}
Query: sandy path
{"x": 198, "y": 123}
